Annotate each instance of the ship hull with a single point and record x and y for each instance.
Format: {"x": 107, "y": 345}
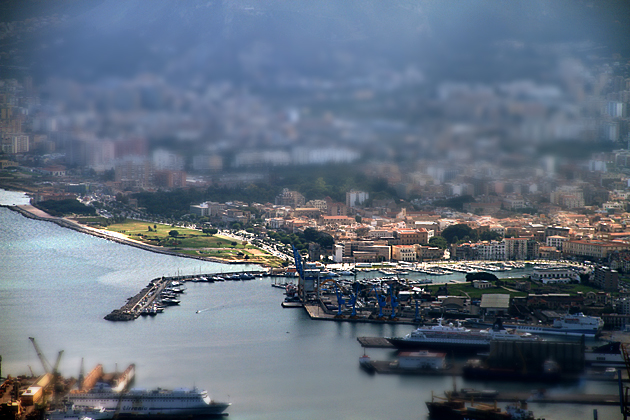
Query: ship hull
{"x": 457, "y": 346}
{"x": 443, "y": 411}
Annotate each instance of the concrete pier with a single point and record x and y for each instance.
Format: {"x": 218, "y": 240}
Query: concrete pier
{"x": 148, "y": 295}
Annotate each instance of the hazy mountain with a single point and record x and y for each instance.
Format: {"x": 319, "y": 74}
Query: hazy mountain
{"x": 258, "y": 40}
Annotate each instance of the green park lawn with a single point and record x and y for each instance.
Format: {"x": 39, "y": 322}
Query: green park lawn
{"x": 193, "y": 242}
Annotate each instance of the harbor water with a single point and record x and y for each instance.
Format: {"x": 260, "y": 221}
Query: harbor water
{"x": 231, "y": 338}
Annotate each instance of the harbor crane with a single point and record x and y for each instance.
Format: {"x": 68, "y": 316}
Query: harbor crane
{"x": 382, "y": 302}
{"x": 41, "y": 356}
{"x": 340, "y": 301}
{"x": 54, "y": 370}
{"x": 393, "y": 301}
{"x": 353, "y": 300}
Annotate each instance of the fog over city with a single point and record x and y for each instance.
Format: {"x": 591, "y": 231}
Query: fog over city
{"x": 436, "y": 98}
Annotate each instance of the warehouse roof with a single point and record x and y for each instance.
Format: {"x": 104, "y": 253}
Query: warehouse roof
{"x": 495, "y": 300}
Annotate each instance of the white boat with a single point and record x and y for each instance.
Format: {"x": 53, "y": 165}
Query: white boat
{"x": 576, "y": 325}
{"x": 74, "y": 412}
{"x": 457, "y": 337}
{"x": 176, "y": 403}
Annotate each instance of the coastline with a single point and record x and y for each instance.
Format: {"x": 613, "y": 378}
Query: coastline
{"x": 34, "y": 213}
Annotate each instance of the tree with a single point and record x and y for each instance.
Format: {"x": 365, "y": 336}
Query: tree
{"x": 490, "y": 236}
{"x": 453, "y": 232}
{"x": 361, "y": 231}
{"x": 210, "y": 231}
{"x": 438, "y": 241}
{"x": 481, "y": 276}
{"x": 174, "y": 233}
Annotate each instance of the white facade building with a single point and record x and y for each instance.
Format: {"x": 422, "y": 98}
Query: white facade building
{"x": 548, "y": 275}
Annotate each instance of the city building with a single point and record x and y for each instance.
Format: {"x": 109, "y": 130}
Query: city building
{"x": 404, "y": 253}
{"x": 592, "y": 249}
{"x": 606, "y": 279}
{"x": 356, "y": 198}
{"x": 559, "y": 274}
{"x": 290, "y": 198}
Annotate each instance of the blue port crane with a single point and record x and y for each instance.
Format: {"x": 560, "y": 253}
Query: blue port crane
{"x": 393, "y": 301}
{"x": 382, "y": 301}
{"x": 298, "y": 261}
{"x": 340, "y": 300}
{"x": 353, "y": 299}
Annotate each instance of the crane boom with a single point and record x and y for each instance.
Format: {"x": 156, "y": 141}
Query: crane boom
{"x": 45, "y": 363}
{"x": 56, "y": 367}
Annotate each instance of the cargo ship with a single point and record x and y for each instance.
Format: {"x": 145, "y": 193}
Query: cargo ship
{"x": 450, "y": 408}
{"x": 453, "y": 337}
{"x": 157, "y": 403}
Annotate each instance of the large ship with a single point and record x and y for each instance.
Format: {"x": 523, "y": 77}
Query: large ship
{"x": 457, "y": 337}
{"x": 576, "y": 325}
{"x": 157, "y": 403}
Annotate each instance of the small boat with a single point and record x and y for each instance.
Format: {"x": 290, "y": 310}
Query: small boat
{"x": 366, "y": 363}
{"x": 170, "y": 301}
{"x": 72, "y": 412}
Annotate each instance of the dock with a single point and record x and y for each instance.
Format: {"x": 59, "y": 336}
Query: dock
{"x": 319, "y": 313}
{"x": 150, "y": 294}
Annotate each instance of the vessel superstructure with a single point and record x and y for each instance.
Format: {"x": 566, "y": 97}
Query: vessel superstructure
{"x": 607, "y": 355}
{"x": 450, "y": 336}
{"x": 179, "y": 402}
{"x": 575, "y": 325}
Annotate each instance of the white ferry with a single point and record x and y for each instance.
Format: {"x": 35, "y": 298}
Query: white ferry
{"x": 161, "y": 403}
{"x": 452, "y": 337}
{"x": 576, "y": 325}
